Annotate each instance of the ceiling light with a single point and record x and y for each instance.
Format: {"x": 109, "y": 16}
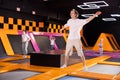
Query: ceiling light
{"x": 98, "y": 3}
{"x": 45, "y": 0}
{"x": 33, "y": 12}
{"x": 115, "y": 15}
{"x": 87, "y": 15}
{"x": 93, "y": 5}
{"x": 18, "y": 9}
{"x": 109, "y": 19}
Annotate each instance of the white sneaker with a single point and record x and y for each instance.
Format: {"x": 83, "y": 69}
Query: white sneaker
{"x": 25, "y": 56}
{"x": 63, "y": 66}
{"x": 85, "y": 69}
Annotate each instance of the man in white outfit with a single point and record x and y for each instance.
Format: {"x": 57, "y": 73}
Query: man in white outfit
{"x": 74, "y": 39}
{"x": 25, "y": 42}
{"x": 52, "y": 43}
{"x": 101, "y": 47}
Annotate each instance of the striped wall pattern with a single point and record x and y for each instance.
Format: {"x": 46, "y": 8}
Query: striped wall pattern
{"x": 55, "y": 28}
{"x": 19, "y": 24}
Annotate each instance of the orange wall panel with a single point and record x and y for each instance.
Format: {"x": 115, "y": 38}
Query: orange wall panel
{"x": 1, "y": 19}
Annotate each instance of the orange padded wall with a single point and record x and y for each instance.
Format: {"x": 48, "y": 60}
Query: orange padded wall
{"x": 9, "y": 25}
{"x": 109, "y": 43}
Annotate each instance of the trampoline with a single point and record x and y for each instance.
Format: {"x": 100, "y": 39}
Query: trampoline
{"x": 17, "y": 75}
{"x": 73, "y": 78}
{"x": 105, "y": 69}
{"x": 75, "y": 55}
{"x": 2, "y": 51}
{"x": 43, "y": 42}
{"x": 3, "y": 54}
{"x": 76, "y": 59}
{"x": 20, "y": 61}
{"x": 113, "y": 59}
{"x": 16, "y": 43}
{"x": 60, "y": 42}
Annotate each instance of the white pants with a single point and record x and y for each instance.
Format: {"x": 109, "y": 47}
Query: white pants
{"x": 77, "y": 44}
{"x": 24, "y": 47}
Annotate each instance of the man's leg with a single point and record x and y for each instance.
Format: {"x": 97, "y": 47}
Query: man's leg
{"x": 78, "y": 46}
{"x": 68, "y": 49}
{"x": 26, "y": 49}
{"x": 23, "y": 49}
{"x": 101, "y": 51}
{"x": 71, "y": 52}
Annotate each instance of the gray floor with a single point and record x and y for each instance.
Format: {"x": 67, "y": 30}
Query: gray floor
{"x": 113, "y": 59}
{"x": 105, "y": 69}
{"x": 99, "y": 68}
{"x": 17, "y": 75}
{"x": 74, "y": 58}
{"x": 21, "y": 61}
{"x": 2, "y": 57}
{"x": 73, "y": 78}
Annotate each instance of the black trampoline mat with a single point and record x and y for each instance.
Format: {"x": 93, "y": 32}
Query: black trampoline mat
{"x": 105, "y": 69}
{"x": 113, "y": 59}
{"x": 74, "y": 58}
{"x": 75, "y": 55}
{"x": 17, "y": 75}
{"x": 74, "y": 78}
{"x": 89, "y": 57}
{"x": 21, "y": 61}
{"x": 2, "y": 57}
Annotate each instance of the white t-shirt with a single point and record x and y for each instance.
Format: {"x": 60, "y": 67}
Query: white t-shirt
{"x": 75, "y": 26}
{"x": 25, "y": 37}
{"x": 52, "y": 42}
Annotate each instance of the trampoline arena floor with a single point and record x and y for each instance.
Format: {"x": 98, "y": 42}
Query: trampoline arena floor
{"x": 99, "y": 68}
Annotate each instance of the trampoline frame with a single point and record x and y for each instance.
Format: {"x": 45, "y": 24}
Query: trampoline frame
{"x": 55, "y": 73}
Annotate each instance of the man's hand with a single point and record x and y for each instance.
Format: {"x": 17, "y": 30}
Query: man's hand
{"x": 98, "y": 13}
{"x": 61, "y": 30}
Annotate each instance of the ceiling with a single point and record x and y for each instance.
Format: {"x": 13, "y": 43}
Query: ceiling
{"x": 63, "y": 7}
{"x": 60, "y": 9}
